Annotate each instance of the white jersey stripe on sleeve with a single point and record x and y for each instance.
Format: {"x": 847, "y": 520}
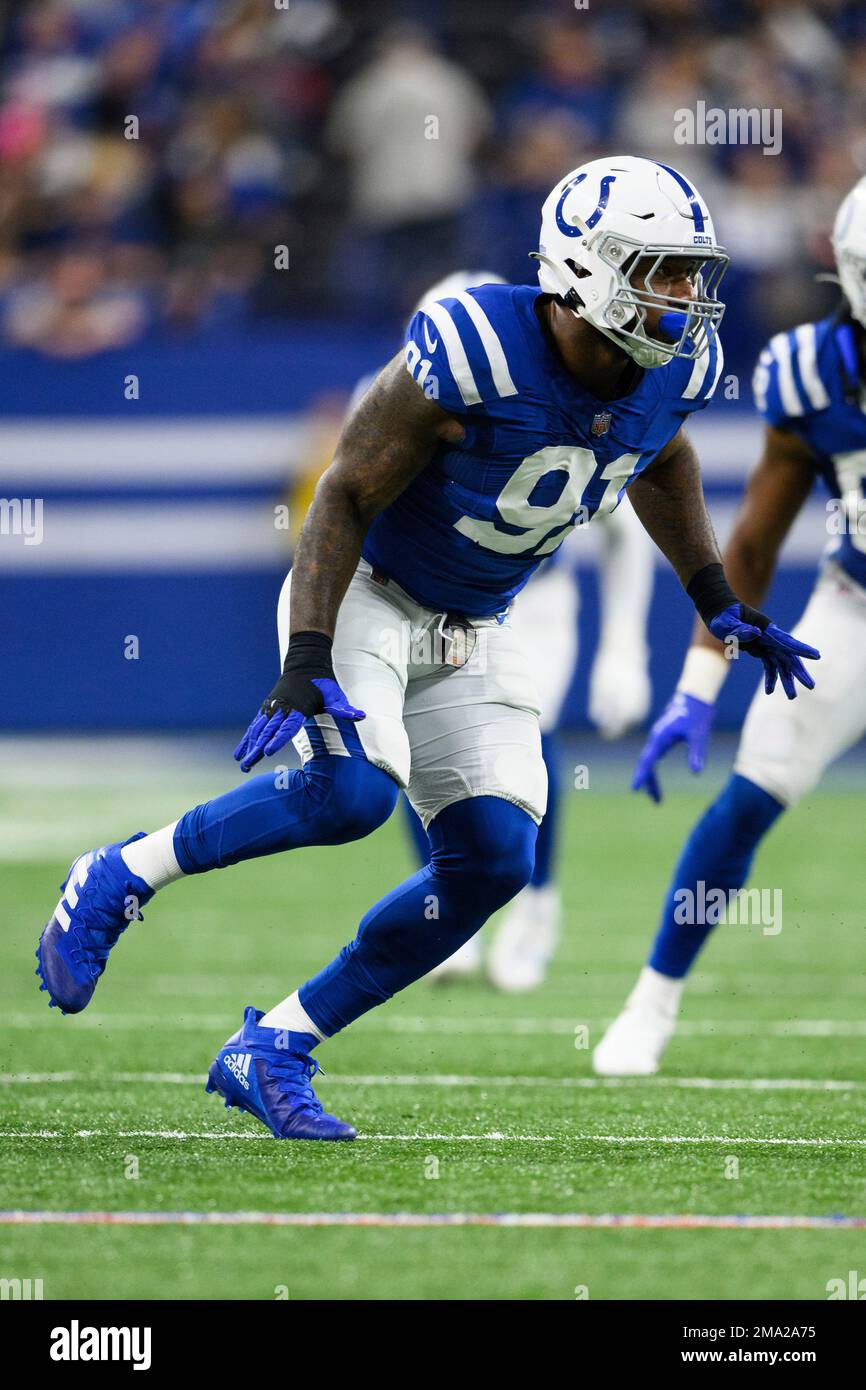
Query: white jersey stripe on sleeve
{"x": 807, "y": 357}
{"x": 699, "y": 371}
{"x": 492, "y": 346}
{"x": 720, "y": 362}
{"x": 781, "y": 348}
{"x": 761, "y": 379}
{"x": 455, "y": 351}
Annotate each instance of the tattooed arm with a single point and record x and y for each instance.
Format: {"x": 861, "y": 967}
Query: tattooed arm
{"x": 776, "y": 493}
{"x": 669, "y": 500}
{"x": 389, "y": 438}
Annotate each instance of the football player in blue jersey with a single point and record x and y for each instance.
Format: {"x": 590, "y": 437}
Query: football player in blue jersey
{"x": 808, "y": 387}
{"x": 544, "y": 620}
{"x": 513, "y": 416}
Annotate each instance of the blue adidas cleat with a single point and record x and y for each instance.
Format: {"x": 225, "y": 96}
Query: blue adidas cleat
{"x": 100, "y": 899}
{"x": 253, "y": 1073}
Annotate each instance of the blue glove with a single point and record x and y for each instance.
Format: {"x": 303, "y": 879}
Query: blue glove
{"x": 777, "y": 649}
{"x": 306, "y": 687}
{"x": 684, "y": 719}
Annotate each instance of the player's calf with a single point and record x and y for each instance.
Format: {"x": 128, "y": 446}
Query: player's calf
{"x": 482, "y": 853}
{"x": 331, "y": 800}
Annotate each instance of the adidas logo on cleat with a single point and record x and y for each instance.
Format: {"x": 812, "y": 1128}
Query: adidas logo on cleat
{"x": 238, "y": 1063}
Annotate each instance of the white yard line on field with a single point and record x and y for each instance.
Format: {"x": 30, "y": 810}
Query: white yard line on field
{"x": 455, "y": 1023}
{"x": 579, "y": 1220}
{"x": 491, "y": 1136}
{"x": 456, "y": 1081}
{"x": 701, "y": 1027}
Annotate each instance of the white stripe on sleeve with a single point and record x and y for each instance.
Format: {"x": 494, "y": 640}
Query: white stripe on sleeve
{"x": 807, "y": 357}
{"x": 492, "y": 346}
{"x": 699, "y": 371}
{"x": 455, "y": 351}
{"x": 720, "y": 362}
{"x": 761, "y": 379}
{"x": 781, "y": 348}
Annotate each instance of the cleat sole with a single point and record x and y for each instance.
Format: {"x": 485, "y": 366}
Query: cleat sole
{"x": 40, "y": 971}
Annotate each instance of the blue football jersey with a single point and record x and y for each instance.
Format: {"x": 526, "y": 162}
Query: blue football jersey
{"x": 807, "y": 381}
{"x": 540, "y": 455}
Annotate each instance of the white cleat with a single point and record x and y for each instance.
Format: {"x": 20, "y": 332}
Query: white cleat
{"x": 526, "y": 941}
{"x": 465, "y": 962}
{"x": 634, "y": 1042}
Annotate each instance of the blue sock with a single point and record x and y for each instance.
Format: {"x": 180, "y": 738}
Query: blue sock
{"x": 419, "y": 836}
{"x": 545, "y": 845}
{"x": 327, "y": 802}
{"x": 482, "y": 854}
{"x": 719, "y": 854}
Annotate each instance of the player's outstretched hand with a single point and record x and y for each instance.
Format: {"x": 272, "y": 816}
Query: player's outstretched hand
{"x": 684, "y": 719}
{"x": 781, "y": 654}
{"x": 294, "y": 698}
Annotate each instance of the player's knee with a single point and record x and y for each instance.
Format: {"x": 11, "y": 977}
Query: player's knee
{"x": 743, "y": 810}
{"x": 353, "y": 795}
{"x": 489, "y": 842}
{"x": 508, "y": 873}
{"x": 765, "y": 760}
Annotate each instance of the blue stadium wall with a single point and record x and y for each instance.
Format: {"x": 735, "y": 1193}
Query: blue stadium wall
{"x": 158, "y": 519}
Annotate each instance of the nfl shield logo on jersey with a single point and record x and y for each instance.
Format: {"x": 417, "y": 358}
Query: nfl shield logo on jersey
{"x": 601, "y": 422}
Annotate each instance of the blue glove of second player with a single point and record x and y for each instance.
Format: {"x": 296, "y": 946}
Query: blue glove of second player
{"x": 306, "y": 687}
{"x": 685, "y": 719}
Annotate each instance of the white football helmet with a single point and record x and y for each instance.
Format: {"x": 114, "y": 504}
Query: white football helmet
{"x": 849, "y": 248}
{"x": 609, "y": 216}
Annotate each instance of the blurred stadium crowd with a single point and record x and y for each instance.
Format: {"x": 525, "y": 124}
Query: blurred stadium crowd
{"x": 385, "y": 145}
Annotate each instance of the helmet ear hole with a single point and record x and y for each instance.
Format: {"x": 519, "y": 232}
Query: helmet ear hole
{"x": 572, "y": 299}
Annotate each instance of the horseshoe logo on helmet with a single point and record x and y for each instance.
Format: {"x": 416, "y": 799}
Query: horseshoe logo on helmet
{"x": 592, "y": 220}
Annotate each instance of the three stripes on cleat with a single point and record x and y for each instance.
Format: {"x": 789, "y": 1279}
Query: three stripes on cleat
{"x": 74, "y": 880}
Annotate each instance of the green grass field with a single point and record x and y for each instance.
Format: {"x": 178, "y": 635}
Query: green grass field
{"x": 466, "y": 1101}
